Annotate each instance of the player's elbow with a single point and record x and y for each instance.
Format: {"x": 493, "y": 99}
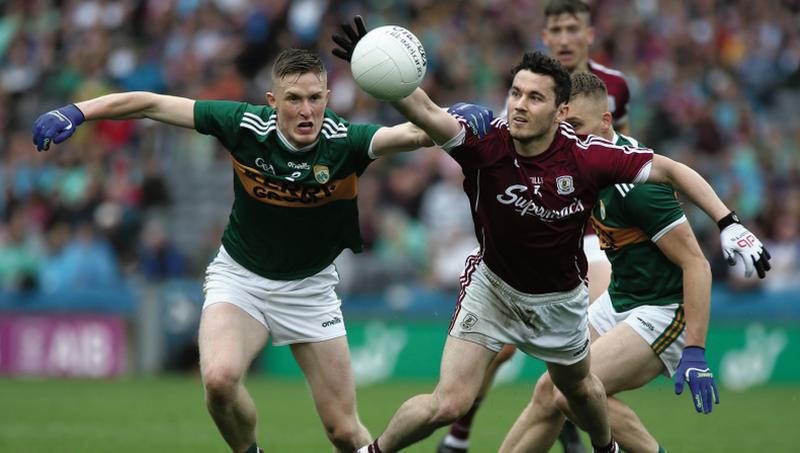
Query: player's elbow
{"x": 697, "y": 266}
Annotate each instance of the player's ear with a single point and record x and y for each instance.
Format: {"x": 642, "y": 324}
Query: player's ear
{"x": 562, "y": 113}
{"x": 608, "y": 121}
{"x": 590, "y": 34}
{"x": 271, "y": 101}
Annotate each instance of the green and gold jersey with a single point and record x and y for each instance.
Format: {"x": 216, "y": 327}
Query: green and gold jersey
{"x": 294, "y": 210}
{"x": 629, "y": 219}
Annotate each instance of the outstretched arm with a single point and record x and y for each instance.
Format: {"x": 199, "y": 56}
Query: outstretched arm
{"x": 398, "y": 139}
{"x": 736, "y": 240}
{"x": 419, "y": 109}
{"x": 689, "y": 183}
{"x": 58, "y": 125}
{"x": 173, "y": 110}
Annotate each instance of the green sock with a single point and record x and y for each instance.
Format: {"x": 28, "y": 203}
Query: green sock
{"x": 661, "y": 449}
{"x": 253, "y": 449}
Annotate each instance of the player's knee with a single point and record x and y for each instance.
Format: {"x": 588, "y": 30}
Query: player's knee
{"x": 544, "y": 391}
{"x": 579, "y": 392}
{"x": 343, "y": 434}
{"x": 220, "y": 383}
{"x": 451, "y": 408}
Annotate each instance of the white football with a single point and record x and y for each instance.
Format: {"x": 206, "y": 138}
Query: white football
{"x": 389, "y": 63}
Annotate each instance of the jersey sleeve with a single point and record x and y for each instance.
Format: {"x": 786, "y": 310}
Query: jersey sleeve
{"x": 222, "y": 119}
{"x": 360, "y": 137}
{"x": 654, "y": 209}
{"x": 470, "y": 151}
{"x": 613, "y": 164}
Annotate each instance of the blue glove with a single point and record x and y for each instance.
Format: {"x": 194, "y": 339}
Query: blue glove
{"x": 56, "y": 126}
{"x": 478, "y": 117}
{"x": 694, "y": 370}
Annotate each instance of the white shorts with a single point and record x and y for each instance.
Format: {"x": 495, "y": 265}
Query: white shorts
{"x": 592, "y": 250}
{"x": 661, "y": 326}
{"x": 552, "y": 327}
{"x": 294, "y": 311}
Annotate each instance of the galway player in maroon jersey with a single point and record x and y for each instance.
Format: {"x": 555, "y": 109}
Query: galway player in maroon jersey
{"x": 568, "y": 34}
{"x": 531, "y": 183}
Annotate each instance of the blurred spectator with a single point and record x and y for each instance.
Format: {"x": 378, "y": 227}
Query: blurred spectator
{"x": 158, "y": 259}
{"x": 82, "y": 261}
{"x": 19, "y": 260}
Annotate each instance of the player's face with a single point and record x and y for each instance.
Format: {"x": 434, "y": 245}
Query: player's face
{"x": 300, "y": 101}
{"x": 532, "y": 109}
{"x": 589, "y": 115}
{"x": 568, "y": 38}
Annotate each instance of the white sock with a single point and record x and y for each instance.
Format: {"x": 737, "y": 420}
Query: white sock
{"x": 455, "y": 442}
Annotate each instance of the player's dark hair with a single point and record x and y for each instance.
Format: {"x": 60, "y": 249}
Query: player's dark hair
{"x": 297, "y": 61}
{"x": 571, "y": 7}
{"x": 588, "y": 84}
{"x": 539, "y": 63}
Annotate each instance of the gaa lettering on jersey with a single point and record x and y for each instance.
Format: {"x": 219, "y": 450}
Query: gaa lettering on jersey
{"x": 514, "y": 196}
{"x": 564, "y": 185}
{"x": 290, "y": 194}
{"x": 262, "y": 164}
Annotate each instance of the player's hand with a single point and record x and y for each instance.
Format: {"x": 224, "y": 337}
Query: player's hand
{"x": 56, "y": 126}
{"x": 694, "y": 370}
{"x": 348, "y": 43}
{"x": 738, "y": 240}
{"x": 477, "y": 116}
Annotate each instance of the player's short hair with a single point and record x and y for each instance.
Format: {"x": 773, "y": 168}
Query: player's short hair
{"x": 571, "y": 7}
{"x": 539, "y": 63}
{"x": 297, "y": 61}
{"x": 589, "y": 85}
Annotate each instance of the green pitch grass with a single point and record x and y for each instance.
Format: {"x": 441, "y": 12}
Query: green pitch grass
{"x": 167, "y": 415}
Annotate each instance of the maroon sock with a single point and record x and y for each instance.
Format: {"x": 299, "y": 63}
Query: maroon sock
{"x": 460, "y": 429}
{"x": 610, "y": 448}
{"x": 374, "y": 448}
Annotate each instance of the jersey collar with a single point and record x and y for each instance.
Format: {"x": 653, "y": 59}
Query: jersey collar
{"x": 293, "y": 148}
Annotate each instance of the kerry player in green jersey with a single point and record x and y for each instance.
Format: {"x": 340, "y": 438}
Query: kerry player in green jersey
{"x": 653, "y": 318}
{"x": 295, "y": 167}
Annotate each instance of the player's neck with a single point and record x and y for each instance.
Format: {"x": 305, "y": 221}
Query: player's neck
{"x": 536, "y": 145}
{"x": 583, "y": 66}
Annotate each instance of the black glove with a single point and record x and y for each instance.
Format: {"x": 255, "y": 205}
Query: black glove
{"x": 347, "y": 44}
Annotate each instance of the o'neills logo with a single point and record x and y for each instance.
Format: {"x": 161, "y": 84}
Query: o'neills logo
{"x": 525, "y": 206}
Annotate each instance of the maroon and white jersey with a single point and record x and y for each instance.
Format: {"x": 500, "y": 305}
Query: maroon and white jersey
{"x": 618, "y": 93}
{"x": 530, "y": 212}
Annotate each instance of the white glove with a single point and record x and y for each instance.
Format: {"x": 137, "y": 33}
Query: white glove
{"x": 738, "y": 240}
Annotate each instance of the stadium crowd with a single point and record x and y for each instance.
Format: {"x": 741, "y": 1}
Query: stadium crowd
{"x": 715, "y": 85}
